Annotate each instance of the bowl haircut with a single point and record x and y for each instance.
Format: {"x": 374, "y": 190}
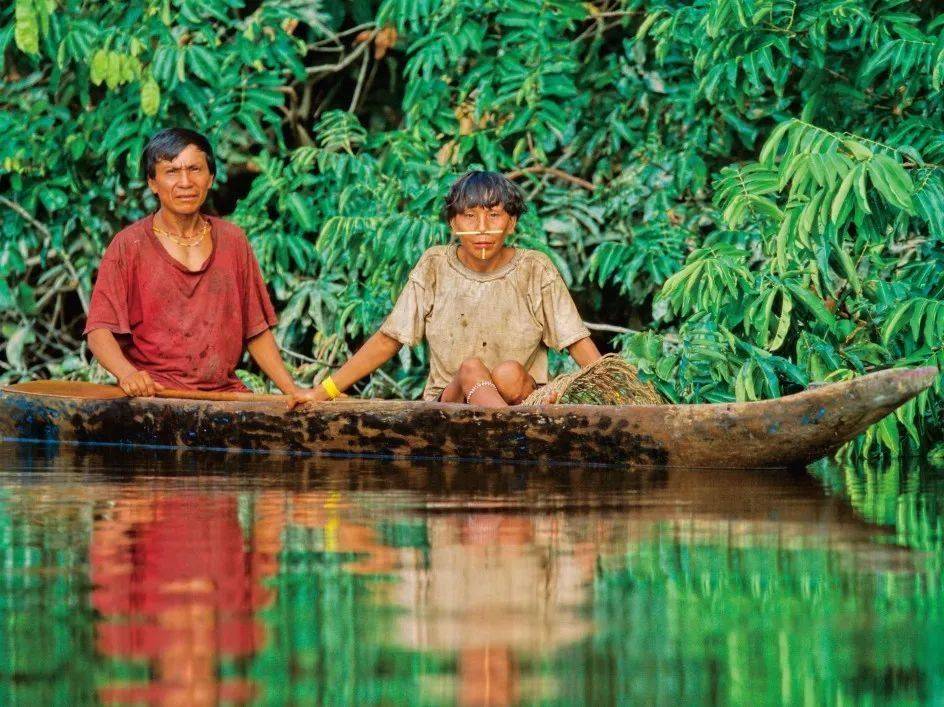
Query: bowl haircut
{"x": 169, "y": 143}
{"x": 485, "y": 189}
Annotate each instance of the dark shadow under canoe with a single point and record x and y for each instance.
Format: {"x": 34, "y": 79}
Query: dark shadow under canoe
{"x": 787, "y": 431}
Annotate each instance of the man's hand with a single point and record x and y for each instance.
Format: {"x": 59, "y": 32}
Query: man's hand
{"x": 139, "y": 385}
{"x": 300, "y": 396}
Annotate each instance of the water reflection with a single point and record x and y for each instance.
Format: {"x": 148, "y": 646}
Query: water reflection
{"x": 176, "y": 586}
{"x": 201, "y": 578}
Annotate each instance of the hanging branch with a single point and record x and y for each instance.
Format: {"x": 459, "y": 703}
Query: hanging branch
{"x": 554, "y": 172}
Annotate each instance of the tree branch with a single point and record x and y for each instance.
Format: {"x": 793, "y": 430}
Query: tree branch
{"x": 345, "y": 62}
{"x": 593, "y": 326}
{"x": 303, "y": 357}
{"x": 335, "y": 35}
{"x": 47, "y": 237}
{"x": 362, "y": 74}
{"x": 553, "y": 171}
{"x": 13, "y": 206}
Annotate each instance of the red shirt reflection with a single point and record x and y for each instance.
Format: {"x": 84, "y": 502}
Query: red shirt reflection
{"x": 177, "y": 585}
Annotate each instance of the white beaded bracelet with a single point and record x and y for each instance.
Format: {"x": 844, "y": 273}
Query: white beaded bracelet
{"x": 480, "y": 384}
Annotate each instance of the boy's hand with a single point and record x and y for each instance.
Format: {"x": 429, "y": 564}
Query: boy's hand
{"x": 301, "y": 396}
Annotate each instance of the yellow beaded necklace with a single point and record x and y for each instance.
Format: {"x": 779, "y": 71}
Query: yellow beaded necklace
{"x": 191, "y": 242}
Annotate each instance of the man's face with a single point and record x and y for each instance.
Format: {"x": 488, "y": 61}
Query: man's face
{"x": 182, "y": 184}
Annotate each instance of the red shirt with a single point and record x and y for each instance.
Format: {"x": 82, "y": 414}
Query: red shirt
{"x": 187, "y": 328}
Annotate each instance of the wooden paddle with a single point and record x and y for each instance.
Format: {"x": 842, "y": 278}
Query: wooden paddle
{"x": 96, "y": 391}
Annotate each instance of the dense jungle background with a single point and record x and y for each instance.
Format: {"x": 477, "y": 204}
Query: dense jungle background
{"x": 745, "y": 196}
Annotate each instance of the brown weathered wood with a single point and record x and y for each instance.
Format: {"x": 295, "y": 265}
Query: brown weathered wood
{"x": 98, "y": 391}
{"x": 787, "y": 431}
{"x": 81, "y": 390}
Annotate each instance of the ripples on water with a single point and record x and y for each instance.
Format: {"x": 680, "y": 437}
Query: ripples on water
{"x": 198, "y": 578}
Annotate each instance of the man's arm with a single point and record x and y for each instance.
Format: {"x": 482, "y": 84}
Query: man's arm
{"x": 375, "y": 352}
{"x": 584, "y": 351}
{"x": 105, "y": 348}
{"x": 265, "y": 352}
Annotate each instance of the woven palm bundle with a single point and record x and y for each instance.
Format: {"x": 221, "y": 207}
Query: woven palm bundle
{"x": 607, "y": 381}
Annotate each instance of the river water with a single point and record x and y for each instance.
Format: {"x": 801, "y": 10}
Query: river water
{"x": 189, "y": 578}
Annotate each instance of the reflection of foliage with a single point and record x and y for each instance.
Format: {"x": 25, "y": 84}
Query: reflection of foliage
{"x": 765, "y": 174}
{"x": 712, "y": 609}
{"x": 768, "y": 621}
{"x": 898, "y": 492}
{"x": 777, "y": 618}
{"x": 328, "y": 638}
{"x": 47, "y": 645}
{"x": 405, "y": 533}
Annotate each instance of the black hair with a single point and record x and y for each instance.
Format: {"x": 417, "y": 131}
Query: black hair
{"x": 169, "y": 143}
{"x": 486, "y": 189}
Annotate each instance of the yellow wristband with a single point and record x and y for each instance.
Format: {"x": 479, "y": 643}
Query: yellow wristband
{"x": 330, "y": 388}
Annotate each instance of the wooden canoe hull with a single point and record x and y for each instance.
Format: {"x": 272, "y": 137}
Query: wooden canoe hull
{"x": 788, "y": 431}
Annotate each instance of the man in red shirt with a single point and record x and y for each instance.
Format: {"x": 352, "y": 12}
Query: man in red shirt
{"x": 179, "y": 295}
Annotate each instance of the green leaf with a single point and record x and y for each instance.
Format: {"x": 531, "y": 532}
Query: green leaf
{"x": 647, "y": 23}
{"x": 848, "y": 268}
{"x": 130, "y": 68}
{"x": 861, "y": 194}
{"x": 858, "y": 150}
{"x": 783, "y": 323}
{"x": 897, "y": 178}
{"x": 203, "y": 62}
{"x": 26, "y": 299}
{"x": 814, "y": 304}
{"x": 7, "y": 299}
{"x": 895, "y": 322}
{"x": 301, "y": 210}
{"x": 887, "y": 184}
{"x": 113, "y": 70}
{"x": 150, "y": 96}
{"x": 887, "y": 431}
{"x": 98, "y": 69}
{"x": 665, "y": 367}
{"x": 917, "y": 314}
{"x": 769, "y": 151}
{"x": 841, "y": 194}
{"x": 934, "y": 325}
{"x": 18, "y": 341}
{"x": 26, "y": 27}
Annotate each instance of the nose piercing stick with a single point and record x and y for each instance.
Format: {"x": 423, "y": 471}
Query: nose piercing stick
{"x": 476, "y": 233}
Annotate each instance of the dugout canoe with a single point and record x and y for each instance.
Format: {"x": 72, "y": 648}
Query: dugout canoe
{"x": 788, "y": 431}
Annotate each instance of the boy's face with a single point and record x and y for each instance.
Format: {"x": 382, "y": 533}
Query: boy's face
{"x": 482, "y": 230}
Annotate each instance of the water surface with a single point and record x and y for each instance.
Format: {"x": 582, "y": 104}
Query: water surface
{"x": 194, "y": 578}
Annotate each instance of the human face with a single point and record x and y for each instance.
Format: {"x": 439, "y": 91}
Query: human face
{"x": 482, "y": 230}
{"x": 182, "y": 184}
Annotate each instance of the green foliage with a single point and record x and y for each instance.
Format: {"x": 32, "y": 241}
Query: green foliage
{"x": 757, "y": 183}
{"x": 84, "y": 85}
{"x": 826, "y": 215}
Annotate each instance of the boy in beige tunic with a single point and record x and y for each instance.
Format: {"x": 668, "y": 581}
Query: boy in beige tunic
{"x": 489, "y": 312}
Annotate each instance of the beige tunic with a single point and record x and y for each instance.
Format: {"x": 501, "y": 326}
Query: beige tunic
{"x": 513, "y": 313}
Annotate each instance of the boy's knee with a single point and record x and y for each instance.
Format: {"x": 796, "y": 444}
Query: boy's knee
{"x": 473, "y": 368}
{"x": 514, "y": 383}
{"x": 509, "y": 372}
